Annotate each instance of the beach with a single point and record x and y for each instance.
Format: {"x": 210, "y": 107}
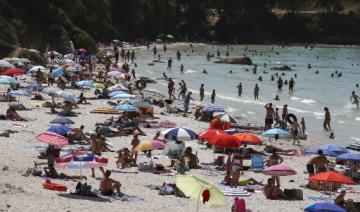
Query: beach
{"x": 25, "y": 193}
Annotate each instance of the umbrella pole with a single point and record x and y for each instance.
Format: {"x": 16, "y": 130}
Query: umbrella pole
{"x": 198, "y": 199}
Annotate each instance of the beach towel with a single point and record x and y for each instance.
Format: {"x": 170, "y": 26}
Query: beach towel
{"x": 234, "y": 192}
{"x": 104, "y": 110}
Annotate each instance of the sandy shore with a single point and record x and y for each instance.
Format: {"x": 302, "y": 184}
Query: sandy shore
{"x": 19, "y": 193}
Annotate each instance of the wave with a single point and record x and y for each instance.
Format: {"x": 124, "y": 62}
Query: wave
{"x": 355, "y": 138}
{"x": 190, "y": 71}
{"x": 295, "y": 98}
{"x": 250, "y": 112}
{"x": 308, "y": 101}
{"x": 357, "y": 119}
{"x": 341, "y": 122}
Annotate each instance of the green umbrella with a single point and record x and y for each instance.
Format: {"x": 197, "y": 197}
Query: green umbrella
{"x": 194, "y": 188}
{"x": 169, "y": 36}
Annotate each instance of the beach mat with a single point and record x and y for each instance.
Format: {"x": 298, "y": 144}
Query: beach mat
{"x": 104, "y": 110}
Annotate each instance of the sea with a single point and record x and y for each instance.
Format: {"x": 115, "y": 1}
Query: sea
{"x": 314, "y": 87}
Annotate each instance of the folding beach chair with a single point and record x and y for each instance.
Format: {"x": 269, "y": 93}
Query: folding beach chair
{"x": 257, "y": 163}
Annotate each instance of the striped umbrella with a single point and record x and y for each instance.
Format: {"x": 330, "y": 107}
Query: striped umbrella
{"x": 123, "y": 97}
{"x": 127, "y": 108}
{"x": 213, "y": 109}
{"x": 224, "y": 117}
{"x": 179, "y": 134}
{"x": 52, "y": 138}
{"x": 167, "y": 124}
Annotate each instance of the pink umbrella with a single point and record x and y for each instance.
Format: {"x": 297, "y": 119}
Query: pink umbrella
{"x": 279, "y": 170}
{"x": 157, "y": 144}
{"x": 167, "y": 124}
{"x": 52, "y": 138}
{"x": 82, "y": 50}
{"x": 116, "y": 69}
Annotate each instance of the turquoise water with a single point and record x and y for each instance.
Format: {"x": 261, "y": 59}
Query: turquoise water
{"x": 311, "y": 94}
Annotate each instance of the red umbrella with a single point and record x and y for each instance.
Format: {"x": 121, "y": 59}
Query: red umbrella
{"x": 333, "y": 177}
{"x": 248, "y": 138}
{"x": 13, "y": 71}
{"x": 217, "y": 124}
{"x": 209, "y": 133}
{"x": 52, "y": 139}
{"x": 225, "y": 140}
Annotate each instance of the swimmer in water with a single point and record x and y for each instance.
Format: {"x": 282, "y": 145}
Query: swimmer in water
{"x": 230, "y": 72}
{"x": 357, "y": 85}
{"x": 277, "y": 98}
{"x": 317, "y": 72}
{"x": 204, "y": 71}
{"x": 309, "y": 66}
{"x": 260, "y": 78}
{"x": 354, "y": 99}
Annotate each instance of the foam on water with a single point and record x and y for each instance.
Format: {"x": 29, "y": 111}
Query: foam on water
{"x": 341, "y": 122}
{"x": 231, "y": 109}
{"x": 250, "y": 113}
{"x": 355, "y": 138}
{"x": 308, "y": 101}
{"x": 357, "y": 119}
{"x": 295, "y": 98}
{"x": 190, "y": 71}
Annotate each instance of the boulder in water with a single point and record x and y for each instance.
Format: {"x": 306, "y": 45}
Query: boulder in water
{"x": 240, "y": 61}
{"x": 282, "y": 68}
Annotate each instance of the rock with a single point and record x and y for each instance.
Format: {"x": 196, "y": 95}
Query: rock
{"x": 282, "y": 68}
{"x": 241, "y": 61}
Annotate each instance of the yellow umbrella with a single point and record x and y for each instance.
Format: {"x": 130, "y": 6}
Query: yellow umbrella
{"x": 98, "y": 85}
{"x": 194, "y": 187}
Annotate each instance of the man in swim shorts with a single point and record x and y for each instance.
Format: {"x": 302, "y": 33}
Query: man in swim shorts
{"x": 269, "y": 118}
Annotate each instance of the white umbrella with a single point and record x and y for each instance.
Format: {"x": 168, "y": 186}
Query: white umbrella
{"x": 7, "y": 80}
{"x": 5, "y": 65}
{"x": 66, "y": 96}
{"x": 36, "y": 68}
{"x": 123, "y": 97}
{"x": 51, "y": 90}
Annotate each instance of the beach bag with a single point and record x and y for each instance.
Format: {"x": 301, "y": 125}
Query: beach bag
{"x": 294, "y": 194}
{"x": 239, "y": 205}
{"x": 83, "y": 189}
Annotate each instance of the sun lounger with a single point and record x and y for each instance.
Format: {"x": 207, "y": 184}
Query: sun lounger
{"x": 257, "y": 163}
{"x": 105, "y": 110}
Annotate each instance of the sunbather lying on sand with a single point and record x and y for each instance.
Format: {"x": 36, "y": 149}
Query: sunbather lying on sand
{"x": 270, "y": 149}
{"x": 12, "y": 115}
{"x": 52, "y": 173}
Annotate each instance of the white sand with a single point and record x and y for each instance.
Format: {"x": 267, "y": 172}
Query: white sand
{"x": 18, "y": 193}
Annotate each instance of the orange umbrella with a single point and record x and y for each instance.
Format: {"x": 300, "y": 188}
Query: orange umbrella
{"x": 248, "y": 138}
{"x": 333, "y": 177}
{"x": 225, "y": 140}
{"x": 209, "y": 133}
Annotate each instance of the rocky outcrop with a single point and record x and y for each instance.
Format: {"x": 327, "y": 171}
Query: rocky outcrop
{"x": 240, "y": 61}
{"x": 281, "y": 68}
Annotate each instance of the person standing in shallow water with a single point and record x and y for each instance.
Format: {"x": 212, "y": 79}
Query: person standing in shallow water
{"x": 256, "y": 91}
{"x": 327, "y": 119}
{"x": 213, "y": 95}
{"x": 291, "y": 84}
{"x": 202, "y": 92}
{"x": 169, "y": 64}
{"x": 239, "y": 87}
{"x": 354, "y": 99}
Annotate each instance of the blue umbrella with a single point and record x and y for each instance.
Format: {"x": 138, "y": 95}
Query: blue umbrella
{"x": 213, "y": 108}
{"x": 349, "y": 156}
{"x": 275, "y": 132}
{"x": 34, "y": 86}
{"x": 85, "y": 83}
{"x": 141, "y": 103}
{"x": 59, "y": 129}
{"x": 7, "y": 80}
{"x": 324, "y": 207}
{"x": 19, "y": 93}
{"x": 62, "y": 120}
{"x": 328, "y": 149}
{"x": 114, "y": 93}
{"x": 58, "y": 72}
{"x": 127, "y": 108}
{"x": 179, "y": 134}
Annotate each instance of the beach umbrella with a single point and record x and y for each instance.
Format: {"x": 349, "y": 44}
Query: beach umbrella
{"x": 116, "y": 75}
{"x": 58, "y": 72}
{"x": 118, "y": 87}
{"x": 34, "y": 86}
{"x": 59, "y": 129}
{"x": 179, "y": 134}
{"x": 279, "y": 170}
{"x": 324, "y": 207}
{"x": 167, "y": 124}
{"x": 5, "y": 65}
{"x": 114, "y": 93}
{"x": 85, "y": 83}
{"x": 13, "y": 71}
{"x": 249, "y": 138}
{"x": 51, "y": 90}
{"x": 66, "y": 96}
{"x": 62, "y": 120}
{"x": 349, "y": 156}
{"x": 7, "y": 80}
{"x": 34, "y": 50}
{"x": 169, "y": 36}
{"x": 37, "y": 68}
{"x": 225, "y": 141}
{"x": 23, "y": 60}
{"x": 52, "y": 138}
{"x": 200, "y": 189}
{"x": 126, "y": 108}
{"x": 19, "y": 93}
{"x": 224, "y": 117}
{"x": 82, "y": 50}
{"x": 233, "y": 131}
{"x": 149, "y": 145}
{"x": 98, "y": 85}
{"x": 213, "y": 109}
{"x": 328, "y": 149}
{"x": 80, "y": 160}
{"x": 209, "y": 133}
{"x": 333, "y": 177}
{"x": 116, "y": 69}
{"x": 275, "y": 132}
{"x": 123, "y": 97}
{"x": 20, "y": 65}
